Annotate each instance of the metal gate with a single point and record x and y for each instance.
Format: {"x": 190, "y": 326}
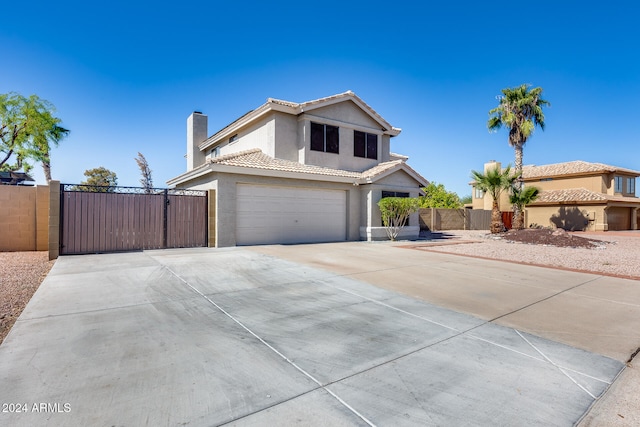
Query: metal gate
{"x": 97, "y": 219}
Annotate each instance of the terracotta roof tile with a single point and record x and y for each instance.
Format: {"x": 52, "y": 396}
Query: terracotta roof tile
{"x": 579, "y": 195}
{"x": 571, "y": 168}
{"x": 255, "y": 158}
{"x": 380, "y": 168}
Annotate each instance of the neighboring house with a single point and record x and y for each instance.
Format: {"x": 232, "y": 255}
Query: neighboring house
{"x": 16, "y": 178}
{"x": 298, "y": 172}
{"x": 576, "y": 196}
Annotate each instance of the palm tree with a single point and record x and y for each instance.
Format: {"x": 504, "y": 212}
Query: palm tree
{"x": 520, "y": 111}
{"x": 54, "y": 135}
{"x": 494, "y": 181}
{"x": 522, "y": 198}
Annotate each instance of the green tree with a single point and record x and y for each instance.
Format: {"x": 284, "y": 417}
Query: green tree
{"x": 520, "y": 111}
{"x": 466, "y": 199}
{"x": 494, "y": 182}
{"x": 436, "y": 196}
{"x": 99, "y": 180}
{"x": 395, "y": 212}
{"x": 522, "y": 198}
{"x": 146, "y": 181}
{"x": 27, "y": 130}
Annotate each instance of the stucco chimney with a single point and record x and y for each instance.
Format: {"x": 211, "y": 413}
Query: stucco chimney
{"x": 197, "y": 124}
{"x": 491, "y": 164}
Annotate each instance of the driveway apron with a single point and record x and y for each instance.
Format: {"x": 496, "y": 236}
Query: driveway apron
{"x": 205, "y": 337}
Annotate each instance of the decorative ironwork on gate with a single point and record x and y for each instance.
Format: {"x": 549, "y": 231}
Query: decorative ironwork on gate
{"x": 130, "y": 190}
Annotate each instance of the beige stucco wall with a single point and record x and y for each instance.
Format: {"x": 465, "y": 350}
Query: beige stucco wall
{"x": 345, "y": 112}
{"x": 348, "y": 117}
{"x": 260, "y": 134}
{"x": 293, "y": 137}
{"x": 591, "y": 183}
{"x": 24, "y": 222}
{"x": 286, "y": 138}
{"x": 372, "y": 193}
{"x": 486, "y": 202}
{"x": 568, "y": 217}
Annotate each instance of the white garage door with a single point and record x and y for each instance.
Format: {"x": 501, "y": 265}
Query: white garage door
{"x": 267, "y": 215}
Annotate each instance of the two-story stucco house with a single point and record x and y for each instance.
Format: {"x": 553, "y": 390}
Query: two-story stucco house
{"x": 576, "y": 196}
{"x": 291, "y": 172}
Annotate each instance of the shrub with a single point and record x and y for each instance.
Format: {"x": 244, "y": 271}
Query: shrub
{"x": 395, "y": 213}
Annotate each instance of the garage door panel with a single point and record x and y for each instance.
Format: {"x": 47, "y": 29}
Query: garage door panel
{"x": 289, "y": 215}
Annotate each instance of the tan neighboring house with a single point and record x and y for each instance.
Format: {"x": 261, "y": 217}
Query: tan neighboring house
{"x": 576, "y": 195}
{"x": 291, "y": 172}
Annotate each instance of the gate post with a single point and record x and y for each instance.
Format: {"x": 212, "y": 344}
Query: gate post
{"x": 55, "y": 219}
{"x": 165, "y": 205}
{"x": 211, "y": 213}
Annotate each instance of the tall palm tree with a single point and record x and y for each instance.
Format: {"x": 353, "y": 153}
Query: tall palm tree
{"x": 522, "y": 198}
{"x": 494, "y": 181}
{"x": 520, "y": 111}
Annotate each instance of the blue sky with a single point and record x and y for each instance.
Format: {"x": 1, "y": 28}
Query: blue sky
{"x": 124, "y": 76}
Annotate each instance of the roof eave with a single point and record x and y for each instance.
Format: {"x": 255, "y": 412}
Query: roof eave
{"x": 247, "y": 170}
{"x": 400, "y": 166}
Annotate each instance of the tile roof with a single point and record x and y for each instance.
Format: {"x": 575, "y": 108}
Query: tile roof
{"x": 297, "y": 108}
{"x": 571, "y": 168}
{"x": 256, "y": 159}
{"x": 348, "y": 94}
{"x": 579, "y": 195}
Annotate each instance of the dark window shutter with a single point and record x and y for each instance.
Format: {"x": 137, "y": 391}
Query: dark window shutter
{"x": 317, "y": 137}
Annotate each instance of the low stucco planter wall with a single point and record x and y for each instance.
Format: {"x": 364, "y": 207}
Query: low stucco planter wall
{"x": 379, "y": 233}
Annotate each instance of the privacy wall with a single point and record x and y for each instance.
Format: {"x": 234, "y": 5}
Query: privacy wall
{"x": 24, "y": 218}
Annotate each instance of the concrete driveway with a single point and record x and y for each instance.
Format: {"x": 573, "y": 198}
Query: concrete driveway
{"x": 336, "y": 334}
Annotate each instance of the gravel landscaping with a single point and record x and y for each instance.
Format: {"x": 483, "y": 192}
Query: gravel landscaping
{"x": 612, "y": 253}
{"x": 20, "y": 276}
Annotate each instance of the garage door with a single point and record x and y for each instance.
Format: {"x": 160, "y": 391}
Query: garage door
{"x": 267, "y": 215}
{"x": 619, "y": 218}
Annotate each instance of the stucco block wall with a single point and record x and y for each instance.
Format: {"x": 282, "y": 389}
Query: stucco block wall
{"x": 24, "y": 218}
{"x": 441, "y": 219}
{"x": 211, "y": 225}
{"x": 54, "y": 219}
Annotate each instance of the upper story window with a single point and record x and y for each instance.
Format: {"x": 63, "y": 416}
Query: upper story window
{"x": 233, "y": 138}
{"x": 325, "y": 138}
{"x": 365, "y": 145}
{"x": 617, "y": 184}
{"x": 215, "y": 152}
{"x": 478, "y": 193}
{"x": 631, "y": 185}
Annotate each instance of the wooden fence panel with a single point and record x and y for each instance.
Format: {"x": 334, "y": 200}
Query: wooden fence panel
{"x": 94, "y": 222}
{"x": 478, "y": 219}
